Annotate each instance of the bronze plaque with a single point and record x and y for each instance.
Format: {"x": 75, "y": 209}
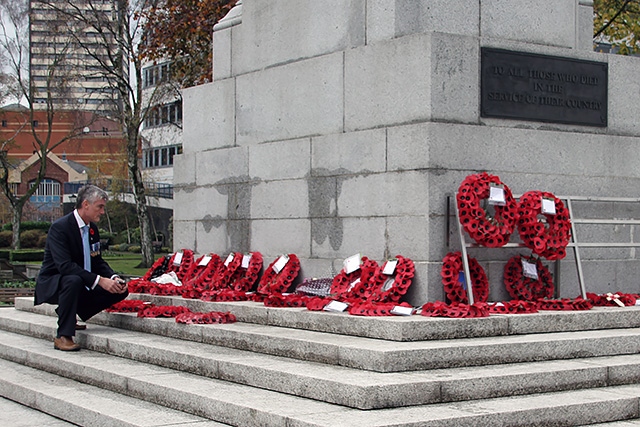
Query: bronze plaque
{"x": 525, "y": 86}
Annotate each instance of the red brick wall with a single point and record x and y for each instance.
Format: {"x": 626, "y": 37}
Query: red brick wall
{"x": 54, "y": 172}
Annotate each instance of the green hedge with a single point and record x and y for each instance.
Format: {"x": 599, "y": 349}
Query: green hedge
{"x": 30, "y": 225}
{"x": 6, "y": 238}
{"x": 25, "y": 255}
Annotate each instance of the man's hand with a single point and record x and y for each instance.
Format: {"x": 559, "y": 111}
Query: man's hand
{"x": 115, "y": 286}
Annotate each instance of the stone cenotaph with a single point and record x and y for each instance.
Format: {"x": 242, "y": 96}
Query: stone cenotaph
{"x": 336, "y": 127}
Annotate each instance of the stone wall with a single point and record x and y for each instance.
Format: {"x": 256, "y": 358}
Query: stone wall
{"x": 334, "y": 127}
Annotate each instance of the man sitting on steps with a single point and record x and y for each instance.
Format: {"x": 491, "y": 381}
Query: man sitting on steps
{"x": 73, "y": 273}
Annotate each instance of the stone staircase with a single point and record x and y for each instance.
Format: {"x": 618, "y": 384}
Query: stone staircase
{"x": 292, "y": 367}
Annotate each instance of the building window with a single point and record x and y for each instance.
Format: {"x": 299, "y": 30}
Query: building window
{"x": 163, "y": 114}
{"x": 4, "y": 123}
{"x": 47, "y": 195}
{"x": 160, "y": 157}
{"x": 35, "y": 123}
{"x": 156, "y": 74}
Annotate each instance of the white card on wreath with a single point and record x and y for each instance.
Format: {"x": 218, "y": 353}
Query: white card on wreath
{"x": 229, "y": 259}
{"x": 177, "y": 260}
{"x": 400, "y": 310}
{"x": 496, "y": 196}
{"x": 352, "y": 263}
{"x": 390, "y": 267}
{"x": 205, "y": 260}
{"x": 279, "y": 265}
{"x": 336, "y": 306}
{"x": 529, "y": 270}
{"x": 548, "y": 206}
{"x": 246, "y": 259}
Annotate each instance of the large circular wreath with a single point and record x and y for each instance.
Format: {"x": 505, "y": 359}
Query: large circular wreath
{"x": 273, "y": 282}
{"x": 390, "y": 288}
{"x": 451, "y": 269}
{"x": 521, "y": 287}
{"x": 491, "y": 231}
{"x": 546, "y": 234}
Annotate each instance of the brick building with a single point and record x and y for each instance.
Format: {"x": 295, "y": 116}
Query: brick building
{"x": 86, "y": 146}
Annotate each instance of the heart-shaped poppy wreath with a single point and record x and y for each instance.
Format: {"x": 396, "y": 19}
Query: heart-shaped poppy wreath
{"x": 546, "y": 240}
{"x": 490, "y": 231}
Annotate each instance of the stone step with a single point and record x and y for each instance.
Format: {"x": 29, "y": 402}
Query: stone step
{"x": 382, "y": 355}
{"x": 83, "y": 404}
{"x": 414, "y": 328}
{"x": 55, "y": 388}
{"x": 349, "y": 387}
{"x": 18, "y": 415}
{"x": 406, "y": 328}
{"x": 625, "y": 423}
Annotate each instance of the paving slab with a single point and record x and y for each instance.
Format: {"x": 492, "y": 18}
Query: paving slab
{"x": 239, "y": 405}
{"x": 334, "y": 384}
{"x": 86, "y": 405}
{"x": 383, "y": 355}
{"x": 17, "y": 415}
{"x": 401, "y": 328}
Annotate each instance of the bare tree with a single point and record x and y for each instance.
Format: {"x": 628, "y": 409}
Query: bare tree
{"x": 18, "y": 88}
{"x": 109, "y": 34}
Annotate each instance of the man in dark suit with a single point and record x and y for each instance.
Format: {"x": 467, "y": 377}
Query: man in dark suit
{"x": 75, "y": 278}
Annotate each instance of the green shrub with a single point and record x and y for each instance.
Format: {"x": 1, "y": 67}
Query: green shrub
{"x": 122, "y": 247}
{"x": 42, "y": 241}
{"x": 18, "y": 284}
{"x": 30, "y": 225}
{"x": 5, "y": 254}
{"x": 109, "y": 237}
{"x": 6, "y": 237}
{"x": 135, "y": 235}
{"x": 134, "y": 249}
{"x": 27, "y": 255}
{"x": 30, "y": 238}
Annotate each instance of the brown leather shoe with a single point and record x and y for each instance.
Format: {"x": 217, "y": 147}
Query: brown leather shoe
{"x": 81, "y": 326}
{"x": 65, "y": 344}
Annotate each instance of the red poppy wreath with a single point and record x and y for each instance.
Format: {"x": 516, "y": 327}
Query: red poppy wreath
{"x": 547, "y": 234}
{"x": 277, "y": 278}
{"x": 356, "y": 284}
{"x": 521, "y": 287}
{"x": 490, "y": 230}
{"x": 453, "y": 277}
{"x": 390, "y": 286}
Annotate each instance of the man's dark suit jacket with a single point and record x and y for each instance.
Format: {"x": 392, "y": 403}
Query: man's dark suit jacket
{"x": 63, "y": 255}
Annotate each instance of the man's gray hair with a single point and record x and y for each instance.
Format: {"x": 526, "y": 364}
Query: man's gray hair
{"x": 91, "y": 193}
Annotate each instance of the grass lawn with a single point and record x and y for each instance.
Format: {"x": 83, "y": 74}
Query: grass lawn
{"x": 121, "y": 262}
{"x": 126, "y": 263}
